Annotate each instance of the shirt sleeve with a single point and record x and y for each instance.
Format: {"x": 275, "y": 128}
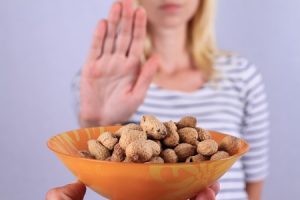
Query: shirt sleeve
{"x": 255, "y": 129}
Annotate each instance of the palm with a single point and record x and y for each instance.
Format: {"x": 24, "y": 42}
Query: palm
{"x": 113, "y": 83}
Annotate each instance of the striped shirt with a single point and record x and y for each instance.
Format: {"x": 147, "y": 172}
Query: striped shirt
{"x": 234, "y": 103}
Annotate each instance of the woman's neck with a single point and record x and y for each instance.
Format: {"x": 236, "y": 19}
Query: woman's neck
{"x": 171, "y": 45}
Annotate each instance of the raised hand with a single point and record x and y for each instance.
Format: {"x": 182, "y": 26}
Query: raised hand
{"x": 113, "y": 81}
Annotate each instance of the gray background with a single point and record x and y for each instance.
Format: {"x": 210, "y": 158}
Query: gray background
{"x": 43, "y": 43}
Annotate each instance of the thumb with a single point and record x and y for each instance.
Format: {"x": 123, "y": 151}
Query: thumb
{"x": 207, "y": 194}
{"x": 146, "y": 75}
{"x": 74, "y": 191}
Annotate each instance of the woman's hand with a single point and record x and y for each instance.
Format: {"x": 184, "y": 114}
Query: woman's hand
{"x": 113, "y": 82}
{"x": 209, "y": 193}
{"x": 76, "y": 191}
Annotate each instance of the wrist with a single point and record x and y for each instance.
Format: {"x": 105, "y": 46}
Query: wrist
{"x": 86, "y": 121}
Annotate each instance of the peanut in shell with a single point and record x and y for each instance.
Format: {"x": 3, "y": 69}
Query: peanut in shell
{"x": 172, "y": 138}
{"x": 108, "y": 140}
{"x": 197, "y": 158}
{"x": 207, "y": 147}
{"x": 128, "y": 136}
{"x": 188, "y": 135}
{"x": 153, "y": 127}
{"x": 99, "y": 151}
{"x": 187, "y": 121}
{"x": 219, "y": 155}
{"x": 184, "y": 150}
{"x": 169, "y": 156}
{"x": 139, "y": 151}
{"x": 203, "y": 134}
{"x": 230, "y": 144}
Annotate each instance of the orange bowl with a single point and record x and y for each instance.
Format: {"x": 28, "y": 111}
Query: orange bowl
{"x": 136, "y": 181}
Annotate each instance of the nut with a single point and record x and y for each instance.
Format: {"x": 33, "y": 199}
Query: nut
{"x": 203, "y": 134}
{"x": 188, "y": 135}
{"x": 127, "y": 127}
{"x": 155, "y": 147}
{"x": 86, "y": 154}
{"x": 159, "y": 143}
{"x": 230, "y": 144}
{"x": 127, "y": 160}
{"x": 187, "y": 121}
{"x": 197, "y": 158}
{"x": 207, "y": 147}
{"x": 128, "y": 136}
{"x": 118, "y": 154}
{"x": 156, "y": 159}
{"x": 98, "y": 150}
{"x": 139, "y": 151}
{"x": 169, "y": 156}
{"x": 184, "y": 150}
{"x": 219, "y": 155}
{"x": 108, "y": 140}
{"x": 153, "y": 127}
{"x": 172, "y": 138}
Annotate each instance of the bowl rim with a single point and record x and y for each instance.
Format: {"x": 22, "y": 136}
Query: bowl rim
{"x": 237, "y": 156}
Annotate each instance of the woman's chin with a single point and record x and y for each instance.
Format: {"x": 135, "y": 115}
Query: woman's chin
{"x": 170, "y": 23}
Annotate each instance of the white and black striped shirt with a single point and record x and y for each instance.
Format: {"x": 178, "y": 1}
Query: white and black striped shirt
{"x": 234, "y": 103}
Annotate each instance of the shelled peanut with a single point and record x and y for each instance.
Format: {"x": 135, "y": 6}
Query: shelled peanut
{"x": 156, "y": 142}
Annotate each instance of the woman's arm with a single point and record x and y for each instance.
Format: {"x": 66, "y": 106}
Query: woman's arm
{"x": 256, "y": 132}
{"x": 114, "y": 81}
{"x": 254, "y": 190}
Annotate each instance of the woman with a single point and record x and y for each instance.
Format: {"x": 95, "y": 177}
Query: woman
{"x": 182, "y": 73}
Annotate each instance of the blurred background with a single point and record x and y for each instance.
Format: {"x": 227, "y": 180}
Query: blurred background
{"x": 44, "y": 43}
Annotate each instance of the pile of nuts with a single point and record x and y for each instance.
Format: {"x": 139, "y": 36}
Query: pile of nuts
{"x": 155, "y": 142}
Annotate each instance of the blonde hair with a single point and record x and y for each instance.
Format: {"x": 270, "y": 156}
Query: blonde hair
{"x": 201, "y": 41}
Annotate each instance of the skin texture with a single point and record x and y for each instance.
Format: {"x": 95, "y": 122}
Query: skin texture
{"x": 254, "y": 190}
{"x": 76, "y": 191}
{"x": 73, "y": 191}
{"x": 168, "y": 20}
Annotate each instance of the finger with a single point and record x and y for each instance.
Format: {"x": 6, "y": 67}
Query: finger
{"x": 215, "y": 187}
{"x": 125, "y": 34}
{"x": 98, "y": 40}
{"x": 207, "y": 194}
{"x": 145, "y": 78}
{"x": 139, "y": 33}
{"x": 202, "y": 195}
{"x": 113, "y": 21}
{"x": 75, "y": 191}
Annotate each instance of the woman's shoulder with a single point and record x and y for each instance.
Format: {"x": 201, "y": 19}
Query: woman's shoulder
{"x": 233, "y": 65}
